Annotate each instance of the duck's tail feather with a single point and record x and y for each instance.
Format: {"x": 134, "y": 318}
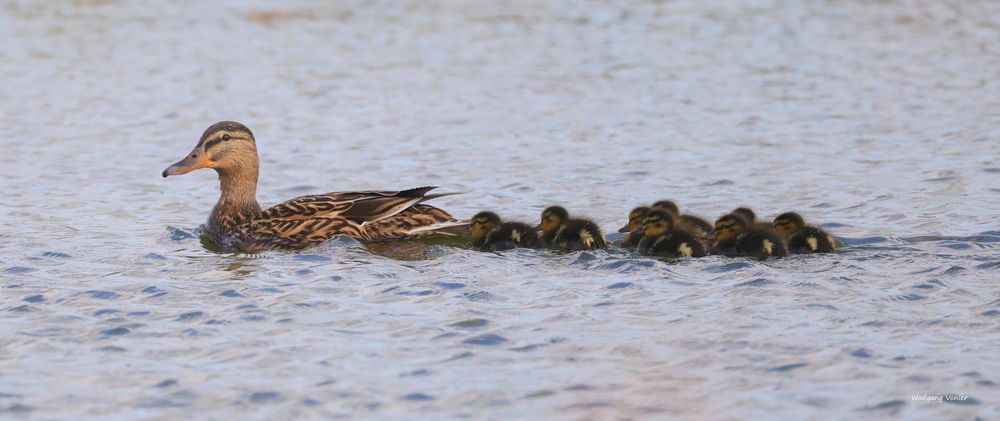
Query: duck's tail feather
{"x": 459, "y": 228}
{"x": 437, "y": 195}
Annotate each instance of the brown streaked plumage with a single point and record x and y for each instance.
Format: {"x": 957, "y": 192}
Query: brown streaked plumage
{"x": 237, "y": 222}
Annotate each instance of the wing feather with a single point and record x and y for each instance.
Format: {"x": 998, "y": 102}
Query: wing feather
{"x": 364, "y": 215}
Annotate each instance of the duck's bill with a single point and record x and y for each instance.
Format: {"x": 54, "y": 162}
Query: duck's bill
{"x": 624, "y": 229}
{"x": 187, "y": 165}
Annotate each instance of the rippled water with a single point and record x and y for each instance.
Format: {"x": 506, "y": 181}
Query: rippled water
{"x": 880, "y": 120}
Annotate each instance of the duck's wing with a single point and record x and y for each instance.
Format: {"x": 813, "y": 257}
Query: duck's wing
{"x": 365, "y": 215}
{"x": 360, "y": 207}
{"x": 420, "y": 220}
{"x": 287, "y": 233}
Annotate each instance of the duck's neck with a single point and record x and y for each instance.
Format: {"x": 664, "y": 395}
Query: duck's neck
{"x": 238, "y": 202}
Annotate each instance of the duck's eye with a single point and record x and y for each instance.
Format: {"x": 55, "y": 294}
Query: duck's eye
{"x": 226, "y": 137}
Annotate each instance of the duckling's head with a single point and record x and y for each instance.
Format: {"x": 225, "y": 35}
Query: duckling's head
{"x": 227, "y": 146}
{"x": 669, "y": 206}
{"x": 481, "y": 224}
{"x": 658, "y": 222}
{"x": 728, "y": 227}
{"x": 787, "y": 224}
{"x": 553, "y": 218}
{"x": 747, "y": 214}
{"x": 635, "y": 219}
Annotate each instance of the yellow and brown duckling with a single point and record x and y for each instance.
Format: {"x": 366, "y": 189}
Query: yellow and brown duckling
{"x": 736, "y": 236}
{"x": 662, "y": 237}
{"x": 489, "y": 233}
{"x": 634, "y": 227}
{"x": 803, "y": 238}
{"x": 693, "y": 224}
{"x": 751, "y": 217}
{"x": 238, "y": 223}
{"x": 560, "y": 232}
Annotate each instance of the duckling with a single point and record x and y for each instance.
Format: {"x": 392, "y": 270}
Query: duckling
{"x": 490, "y": 234}
{"x": 736, "y": 236}
{"x": 698, "y": 226}
{"x": 690, "y": 223}
{"x": 633, "y": 227}
{"x": 669, "y": 206}
{"x": 751, "y": 217}
{"x": 553, "y": 219}
{"x": 803, "y": 238}
{"x": 662, "y": 237}
{"x": 562, "y": 233}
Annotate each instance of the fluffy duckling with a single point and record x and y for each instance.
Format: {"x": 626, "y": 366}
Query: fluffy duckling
{"x": 697, "y": 226}
{"x": 736, "y": 236}
{"x": 489, "y": 233}
{"x": 553, "y": 219}
{"x": 803, "y": 238}
{"x": 662, "y": 237}
{"x": 560, "y": 232}
{"x": 751, "y": 217}
{"x": 668, "y": 205}
{"x": 633, "y": 227}
{"x": 690, "y": 223}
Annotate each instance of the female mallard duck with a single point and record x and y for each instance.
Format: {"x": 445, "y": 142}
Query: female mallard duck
{"x": 490, "y": 234}
{"x": 662, "y": 237}
{"x": 238, "y": 223}
{"x": 562, "y": 233}
{"x": 803, "y": 238}
{"x": 751, "y": 217}
{"x": 690, "y": 223}
{"x": 635, "y": 219}
{"x": 735, "y": 235}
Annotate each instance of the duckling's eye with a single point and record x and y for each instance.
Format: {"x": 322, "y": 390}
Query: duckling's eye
{"x": 226, "y": 137}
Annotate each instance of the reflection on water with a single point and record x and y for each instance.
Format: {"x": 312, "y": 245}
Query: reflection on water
{"x": 876, "y": 119}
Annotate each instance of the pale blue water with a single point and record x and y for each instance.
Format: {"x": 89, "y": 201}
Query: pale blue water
{"x": 880, "y": 120}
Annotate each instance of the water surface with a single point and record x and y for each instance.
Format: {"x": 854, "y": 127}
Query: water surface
{"x": 880, "y": 120}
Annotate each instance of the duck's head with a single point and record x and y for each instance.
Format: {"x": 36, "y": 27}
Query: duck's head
{"x": 635, "y": 219}
{"x": 657, "y": 222}
{"x": 728, "y": 227}
{"x": 669, "y": 206}
{"x": 787, "y": 224}
{"x": 481, "y": 224}
{"x": 227, "y": 146}
{"x": 747, "y": 214}
{"x": 553, "y": 218}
